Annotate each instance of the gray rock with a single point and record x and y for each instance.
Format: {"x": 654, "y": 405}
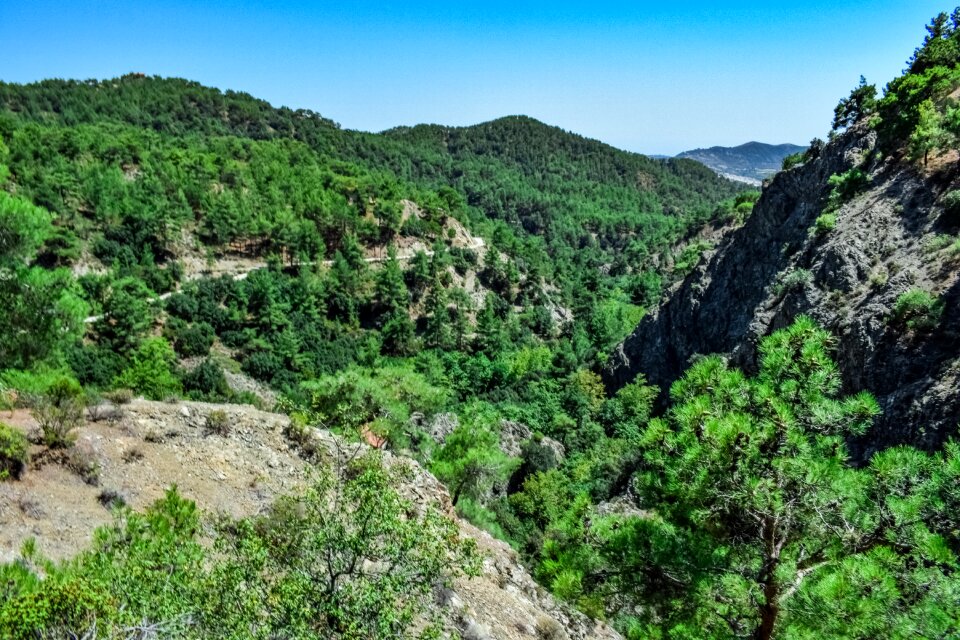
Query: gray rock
{"x": 442, "y": 425}
{"x": 872, "y": 255}
{"x": 512, "y": 436}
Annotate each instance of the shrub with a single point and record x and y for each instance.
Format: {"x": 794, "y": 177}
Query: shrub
{"x": 151, "y": 370}
{"x": 14, "y": 453}
{"x": 793, "y": 160}
{"x": 58, "y": 411}
{"x": 917, "y": 310}
{"x": 207, "y": 382}
{"x": 119, "y": 396}
{"x": 97, "y": 409}
{"x": 182, "y": 306}
{"x": 844, "y": 186}
{"x": 83, "y": 462}
{"x": 937, "y": 242}
{"x": 111, "y": 499}
{"x": 792, "y": 280}
{"x": 825, "y": 223}
{"x": 194, "y": 340}
{"x": 133, "y": 454}
{"x": 218, "y": 423}
{"x": 951, "y": 205}
{"x": 94, "y": 365}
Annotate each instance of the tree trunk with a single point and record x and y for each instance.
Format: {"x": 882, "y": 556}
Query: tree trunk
{"x": 770, "y": 609}
{"x": 456, "y": 494}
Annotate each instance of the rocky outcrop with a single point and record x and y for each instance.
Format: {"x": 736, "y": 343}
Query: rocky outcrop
{"x": 886, "y": 240}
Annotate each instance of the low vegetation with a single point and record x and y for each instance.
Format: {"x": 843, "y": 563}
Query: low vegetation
{"x": 363, "y": 570}
{"x": 917, "y": 310}
{"x": 14, "y": 453}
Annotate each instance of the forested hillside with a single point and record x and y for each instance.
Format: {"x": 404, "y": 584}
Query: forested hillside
{"x": 444, "y": 293}
{"x": 751, "y": 162}
{"x": 451, "y": 295}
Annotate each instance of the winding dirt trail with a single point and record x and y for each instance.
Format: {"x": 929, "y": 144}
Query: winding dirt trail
{"x": 476, "y": 243}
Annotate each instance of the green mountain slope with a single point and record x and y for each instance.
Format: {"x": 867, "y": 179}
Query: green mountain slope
{"x": 752, "y": 161}
{"x": 444, "y": 293}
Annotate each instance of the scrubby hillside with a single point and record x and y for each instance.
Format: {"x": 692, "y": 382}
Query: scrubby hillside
{"x": 236, "y": 462}
{"x": 443, "y": 302}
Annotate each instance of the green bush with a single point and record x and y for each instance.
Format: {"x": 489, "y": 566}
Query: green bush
{"x": 825, "y": 223}
{"x": 793, "y": 160}
{"x": 845, "y": 186}
{"x": 58, "y": 411}
{"x": 193, "y": 340}
{"x": 14, "y": 453}
{"x": 119, "y": 396}
{"x": 151, "y": 371}
{"x": 207, "y": 382}
{"x": 917, "y": 310}
{"x": 951, "y": 205}
{"x": 792, "y": 280}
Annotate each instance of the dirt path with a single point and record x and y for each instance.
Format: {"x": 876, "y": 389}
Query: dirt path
{"x": 476, "y": 243}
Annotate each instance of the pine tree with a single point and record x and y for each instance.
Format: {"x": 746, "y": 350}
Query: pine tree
{"x": 489, "y": 338}
{"x": 437, "y": 333}
{"x": 391, "y": 290}
{"x": 462, "y": 305}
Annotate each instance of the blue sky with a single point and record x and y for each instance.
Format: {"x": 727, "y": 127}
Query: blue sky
{"x": 654, "y": 77}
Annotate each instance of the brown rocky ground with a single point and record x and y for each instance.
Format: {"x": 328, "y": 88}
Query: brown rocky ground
{"x": 154, "y": 445}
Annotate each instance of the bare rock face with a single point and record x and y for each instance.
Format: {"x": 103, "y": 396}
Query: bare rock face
{"x": 442, "y": 425}
{"x": 847, "y": 279}
{"x": 512, "y": 436}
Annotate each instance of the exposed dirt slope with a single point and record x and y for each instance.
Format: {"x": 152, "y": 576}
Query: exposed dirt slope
{"x": 155, "y": 445}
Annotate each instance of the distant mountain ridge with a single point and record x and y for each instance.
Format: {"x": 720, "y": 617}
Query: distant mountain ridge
{"x": 750, "y": 162}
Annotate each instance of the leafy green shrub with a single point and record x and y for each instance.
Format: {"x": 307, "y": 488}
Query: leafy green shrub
{"x": 30, "y": 385}
{"x": 207, "y": 382}
{"x": 381, "y": 400}
{"x": 793, "y": 160}
{"x": 94, "y": 365}
{"x": 58, "y": 411}
{"x": 62, "y": 606}
{"x": 182, "y": 306}
{"x": 690, "y": 256}
{"x": 792, "y": 280}
{"x": 151, "y": 370}
{"x": 938, "y": 242}
{"x": 917, "y": 310}
{"x": 193, "y": 340}
{"x": 14, "y": 453}
{"x": 844, "y": 186}
{"x": 310, "y": 562}
{"x": 825, "y": 223}
{"x": 218, "y": 423}
{"x": 471, "y": 462}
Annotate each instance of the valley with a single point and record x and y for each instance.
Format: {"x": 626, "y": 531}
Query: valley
{"x": 267, "y": 377}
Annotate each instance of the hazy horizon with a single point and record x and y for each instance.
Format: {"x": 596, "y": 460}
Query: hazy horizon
{"x": 643, "y": 77}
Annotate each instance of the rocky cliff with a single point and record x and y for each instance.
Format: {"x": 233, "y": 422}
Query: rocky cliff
{"x": 894, "y": 235}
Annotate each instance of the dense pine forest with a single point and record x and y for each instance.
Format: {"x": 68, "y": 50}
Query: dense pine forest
{"x": 450, "y": 295}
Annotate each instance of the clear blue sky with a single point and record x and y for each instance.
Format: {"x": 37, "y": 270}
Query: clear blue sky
{"x": 654, "y": 77}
